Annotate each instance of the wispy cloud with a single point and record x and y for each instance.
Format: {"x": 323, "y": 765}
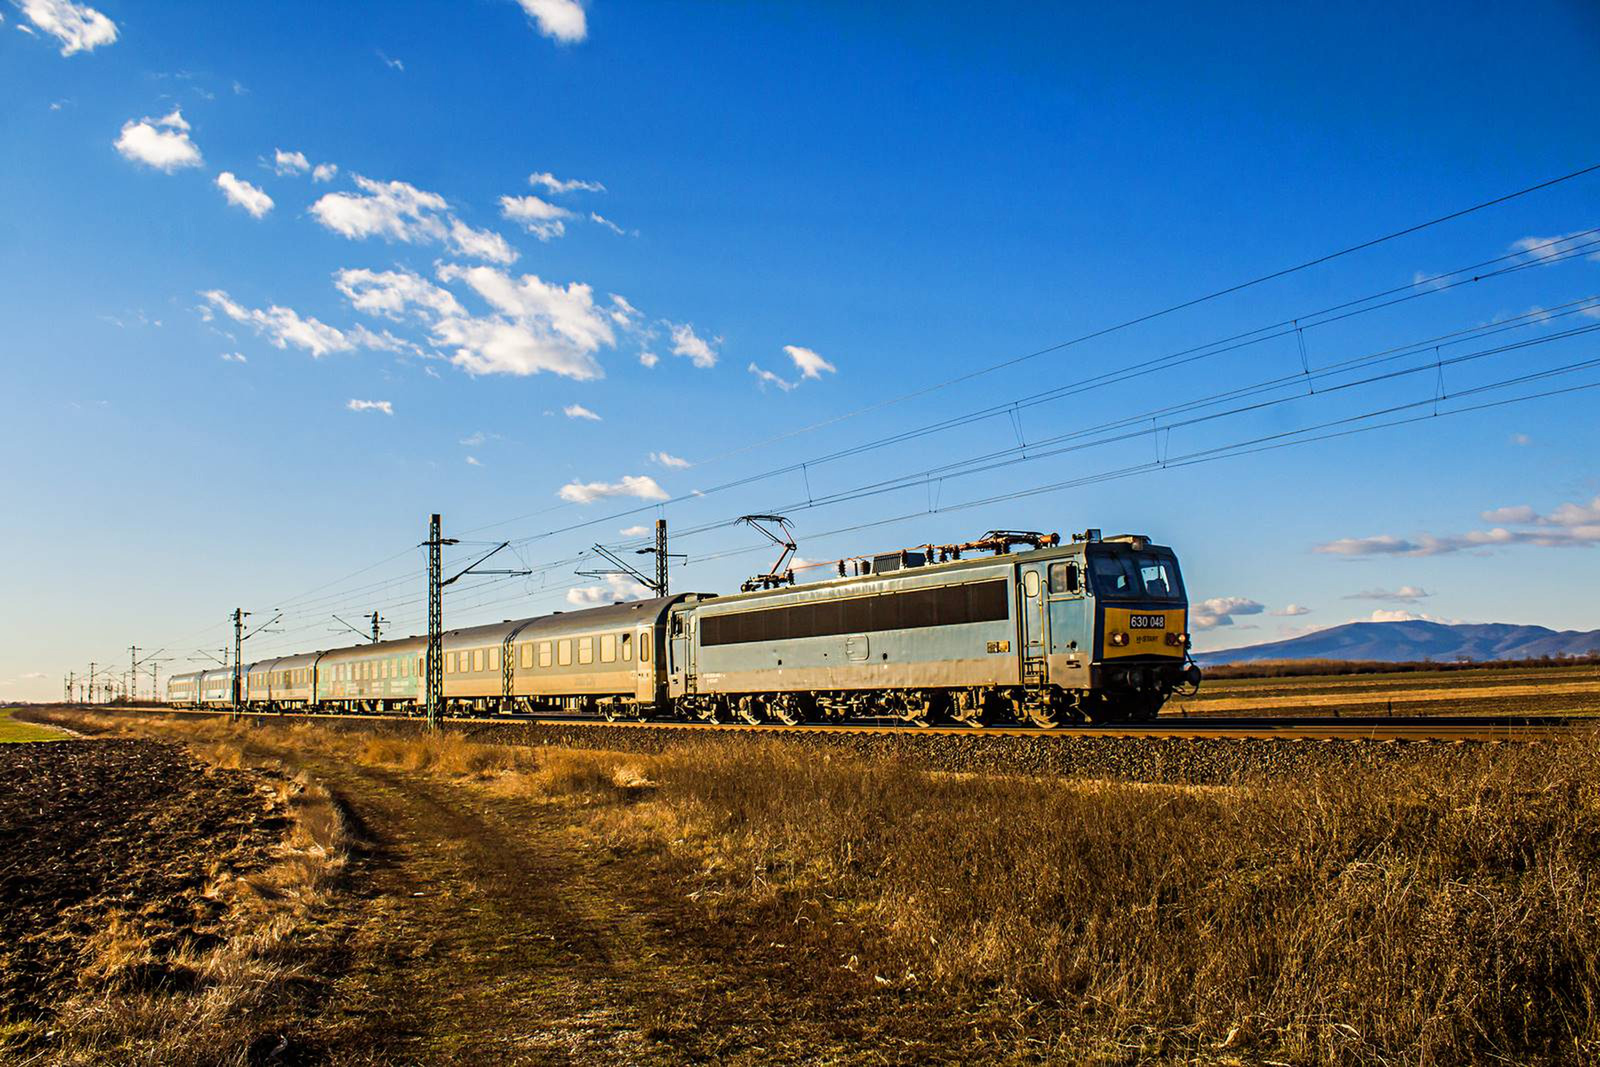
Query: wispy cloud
{"x": 634, "y": 531}
{"x": 807, "y": 362}
{"x": 765, "y": 378}
{"x": 668, "y": 460}
{"x": 287, "y": 163}
{"x": 284, "y": 327}
{"x": 1291, "y": 611}
{"x": 234, "y": 357}
{"x": 1406, "y": 594}
{"x": 551, "y": 184}
{"x": 539, "y": 217}
{"x": 371, "y": 405}
{"x": 1570, "y": 525}
{"x": 391, "y": 62}
{"x": 618, "y": 587}
{"x": 641, "y": 486}
{"x": 578, "y": 411}
{"x": 163, "y": 143}
{"x": 391, "y": 293}
{"x": 399, "y": 211}
{"x": 690, "y": 345}
{"x": 241, "y": 193}
{"x": 79, "y": 27}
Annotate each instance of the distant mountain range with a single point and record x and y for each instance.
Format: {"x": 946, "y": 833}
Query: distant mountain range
{"x": 1397, "y": 642}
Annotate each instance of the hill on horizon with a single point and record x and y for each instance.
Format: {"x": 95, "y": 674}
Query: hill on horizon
{"x": 1400, "y": 642}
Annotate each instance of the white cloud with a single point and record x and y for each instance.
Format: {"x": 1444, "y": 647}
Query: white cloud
{"x": 1405, "y": 594}
{"x": 242, "y": 194}
{"x": 648, "y": 359}
{"x": 481, "y": 244}
{"x": 390, "y": 292}
{"x": 234, "y": 357}
{"x": 667, "y": 459}
{"x": 550, "y": 183}
{"x": 560, "y": 20}
{"x": 539, "y": 217}
{"x": 287, "y": 163}
{"x": 539, "y": 326}
{"x": 578, "y": 411}
{"x": 1219, "y": 611}
{"x": 474, "y": 439}
{"x": 282, "y": 326}
{"x": 472, "y": 461}
{"x": 635, "y": 531}
{"x": 807, "y": 362}
{"x": 392, "y": 64}
{"x": 685, "y": 342}
{"x": 324, "y": 172}
{"x": 79, "y": 27}
{"x": 1292, "y": 610}
{"x": 371, "y": 405}
{"x": 1545, "y": 249}
{"x": 595, "y": 216}
{"x": 617, "y": 587}
{"x": 1571, "y": 525}
{"x": 160, "y": 143}
{"x": 1397, "y": 615}
{"x": 766, "y": 378}
{"x": 622, "y": 313}
{"x": 636, "y": 485}
{"x": 399, "y": 211}
{"x": 1518, "y": 514}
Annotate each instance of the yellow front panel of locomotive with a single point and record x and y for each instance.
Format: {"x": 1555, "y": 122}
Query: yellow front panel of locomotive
{"x": 1147, "y": 630}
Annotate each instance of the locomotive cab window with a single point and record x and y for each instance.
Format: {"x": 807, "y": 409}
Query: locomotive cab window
{"x": 1066, "y": 578}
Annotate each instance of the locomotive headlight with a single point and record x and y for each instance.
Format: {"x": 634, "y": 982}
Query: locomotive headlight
{"x": 1178, "y": 640}
{"x": 1119, "y": 638}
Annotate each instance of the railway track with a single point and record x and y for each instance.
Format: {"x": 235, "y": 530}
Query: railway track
{"x": 1458, "y": 728}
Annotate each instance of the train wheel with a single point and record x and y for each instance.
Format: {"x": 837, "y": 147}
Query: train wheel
{"x": 789, "y": 709}
{"x": 748, "y": 710}
{"x": 973, "y": 708}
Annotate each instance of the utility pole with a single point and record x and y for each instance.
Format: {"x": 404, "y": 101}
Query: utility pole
{"x": 239, "y": 615}
{"x": 435, "y": 663}
{"x": 91, "y": 681}
{"x": 661, "y": 557}
{"x": 436, "y": 584}
{"x": 377, "y": 624}
{"x": 133, "y": 673}
{"x": 69, "y": 687}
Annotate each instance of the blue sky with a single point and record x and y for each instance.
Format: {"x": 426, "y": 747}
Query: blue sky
{"x": 281, "y": 280}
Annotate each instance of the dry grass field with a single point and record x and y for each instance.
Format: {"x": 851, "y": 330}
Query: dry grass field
{"x": 752, "y": 904}
{"x": 1555, "y": 690}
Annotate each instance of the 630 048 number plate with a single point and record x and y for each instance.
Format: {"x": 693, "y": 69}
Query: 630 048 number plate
{"x": 1147, "y": 622}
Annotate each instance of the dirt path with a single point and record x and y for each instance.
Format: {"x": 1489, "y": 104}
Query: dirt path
{"x": 487, "y": 929}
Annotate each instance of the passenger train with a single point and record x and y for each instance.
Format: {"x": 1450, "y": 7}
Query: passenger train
{"x": 1094, "y": 629}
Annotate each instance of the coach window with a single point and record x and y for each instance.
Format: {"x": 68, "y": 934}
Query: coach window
{"x": 1030, "y": 583}
{"x": 608, "y": 648}
{"x": 477, "y": 659}
{"x": 585, "y": 650}
{"x": 544, "y": 653}
{"x": 450, "y": 663}
{"x": 527, "y": 654}
{"x": 494, "y": 659}
{"x": 564, "y": 652}
{"x": 644, "y": 650}
{"x": 627, "y": 647}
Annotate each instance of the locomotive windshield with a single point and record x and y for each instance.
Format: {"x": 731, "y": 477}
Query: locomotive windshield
{"x": 1136, "y": 575}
